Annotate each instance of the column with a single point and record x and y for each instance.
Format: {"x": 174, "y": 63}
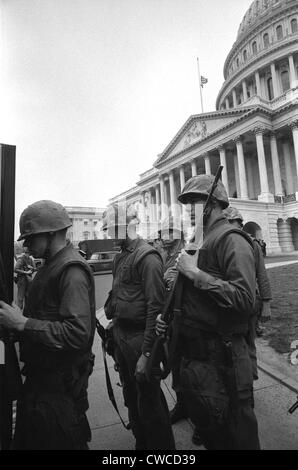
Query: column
{"x": 182, "y": 177}
{"x": 193, "y": 168}
{"x": 274, "y": 80}
{"x": 294, "y": 127}
{"x": 173, "y": 197}
{"x": 265, "y": 195}
{"x": 227, "y": 104}
{"x": 258, "y": 83}
{"x": 293, "y": 79}
{"x": 288, "y": 167}
{"x": 162, "y": 197}
{"x": 236, "y": 171}
{"x": 234, "y": 98}
{"x": 244, "y": 89}
{"x": 157, "y": 203}
{"x": 223, "y": 162}
{"x": 241, "y": 167}
{"x": 275, "y": 165}
{"x": 285, "y": 236}
{"x": 207, "y": 164}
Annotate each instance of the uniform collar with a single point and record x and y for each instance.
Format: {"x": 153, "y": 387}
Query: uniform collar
{"x": 131, "y": 245}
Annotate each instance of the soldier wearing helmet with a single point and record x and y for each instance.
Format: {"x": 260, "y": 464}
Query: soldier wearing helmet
{"x": 217, "y": 300}
{"x": 262, "y": 312}
{"x": 56, "y": 335}
{"x": 136, "y": 299}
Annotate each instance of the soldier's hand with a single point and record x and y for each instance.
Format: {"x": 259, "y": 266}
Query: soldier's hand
{"x": 169, "y": 277}
{"x": 266, "y": 312}
{"x": 187, "y": 265}
{"x": 141, "y": 368}
{"x": 160, "y": 326}
{"x": 11, "y": 317}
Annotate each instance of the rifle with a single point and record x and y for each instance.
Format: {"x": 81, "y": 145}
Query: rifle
{"x": 105, "y": 335}
{"x": 159, "y": 363}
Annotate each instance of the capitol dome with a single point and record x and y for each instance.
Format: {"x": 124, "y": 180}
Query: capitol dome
{"x": 259, "y": 10}
{"x": 265, "y": 49}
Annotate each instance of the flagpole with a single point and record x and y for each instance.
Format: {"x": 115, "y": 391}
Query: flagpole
{"x": 200, "y": 84}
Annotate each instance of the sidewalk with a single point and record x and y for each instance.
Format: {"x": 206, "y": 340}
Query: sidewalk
{"x": 273, "y": 397}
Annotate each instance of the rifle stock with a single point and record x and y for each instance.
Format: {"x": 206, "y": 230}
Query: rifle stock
{"x": 159, "y": 361}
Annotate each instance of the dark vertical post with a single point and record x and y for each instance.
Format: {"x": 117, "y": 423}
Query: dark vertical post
{"x": 7, "y": 215}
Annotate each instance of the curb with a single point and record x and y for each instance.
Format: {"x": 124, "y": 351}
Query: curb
{"x": 287, "y": 382}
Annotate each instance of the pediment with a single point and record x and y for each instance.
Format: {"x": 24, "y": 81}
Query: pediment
{"x": 196, "y": 129}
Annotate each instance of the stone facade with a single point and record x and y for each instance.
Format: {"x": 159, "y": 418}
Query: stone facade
{"x": 86, "y": 224}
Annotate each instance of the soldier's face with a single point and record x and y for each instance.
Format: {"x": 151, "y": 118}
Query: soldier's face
{"x": 37, "y": 244}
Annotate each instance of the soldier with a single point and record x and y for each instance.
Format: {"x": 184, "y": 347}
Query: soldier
{"x": 24, "y": 268}
{"x": 172, "y": 237}
{"x": 56, "y": 335}
{"x": 218, "y": 298}
{"x": 136, "y": 299}
{"x": 263, "y": 294}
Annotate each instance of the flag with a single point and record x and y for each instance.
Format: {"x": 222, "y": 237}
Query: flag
{"x": 203, "y": 81}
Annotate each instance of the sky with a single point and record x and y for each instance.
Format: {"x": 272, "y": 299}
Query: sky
{"x": 93, "y": 90}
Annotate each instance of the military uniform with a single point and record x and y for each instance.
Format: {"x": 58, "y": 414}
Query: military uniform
{"x": 216, "y": 371}
{"x": 56, "y": 351}
{"x": 137, "y": 298}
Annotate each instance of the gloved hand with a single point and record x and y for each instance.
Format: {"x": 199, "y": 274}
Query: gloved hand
{"x": 169, "y": 277}
{"x": 160, "y": 326}
{"x": 266, "y": 311}
{"x": 140, "y": 368}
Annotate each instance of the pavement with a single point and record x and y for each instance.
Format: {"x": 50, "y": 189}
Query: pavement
{"x": 275, "y": 392}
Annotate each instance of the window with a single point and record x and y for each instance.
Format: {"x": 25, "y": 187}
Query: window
{"x": 237, "y": 61}
{"x": 285, "y": 80}
{"x": 294, "y": 26}
{"x": 85, "y": 222}
{"x": 279, "y": 32}
{"x": 254, "y": 47}
{"x": 270, "y": 89}
{"x": 245, "y": 55}
{"x": 266, "y": 40}
{"x": 94, "y": 222}
{"x": 86, "y": 235}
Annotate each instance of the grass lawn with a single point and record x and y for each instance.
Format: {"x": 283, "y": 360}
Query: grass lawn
{"x": 283, "y": 327}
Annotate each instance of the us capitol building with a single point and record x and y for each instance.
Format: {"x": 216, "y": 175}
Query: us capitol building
{"x": 253, "y": 133}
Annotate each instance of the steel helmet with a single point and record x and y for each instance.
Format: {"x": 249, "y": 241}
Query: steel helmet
{"x": 199, "y": 187}
{"x": 43, "y": 217}
{"x": 171, "y": 223}
{"x": 233, "y": 214}
{"x": 119, "y": 215}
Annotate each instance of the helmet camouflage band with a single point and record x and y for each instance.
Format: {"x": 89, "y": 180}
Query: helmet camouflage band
{"x": 199, "y": 187}
{"x": 43, "y": 217}
{"x": 232, "y": 213}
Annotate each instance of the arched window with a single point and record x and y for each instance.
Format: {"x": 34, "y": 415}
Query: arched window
{"x": 245, "y": 55}
{"x": 285, "y": 80}
{"x": 237, "y": 61}
{"x": 294, "y": 25}
{"x": 270, "y": 89}
{"x": 266, "y": 40}
{"x": 254, "y": 47}
{"x": 279, "y": 32}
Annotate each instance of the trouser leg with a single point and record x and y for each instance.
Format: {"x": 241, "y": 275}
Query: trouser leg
{"x": 130, "y": 395}
{"x": 155, "y": 416}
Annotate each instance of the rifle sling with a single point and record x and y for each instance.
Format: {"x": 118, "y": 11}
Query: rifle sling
{"x": 101, "y": 332}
